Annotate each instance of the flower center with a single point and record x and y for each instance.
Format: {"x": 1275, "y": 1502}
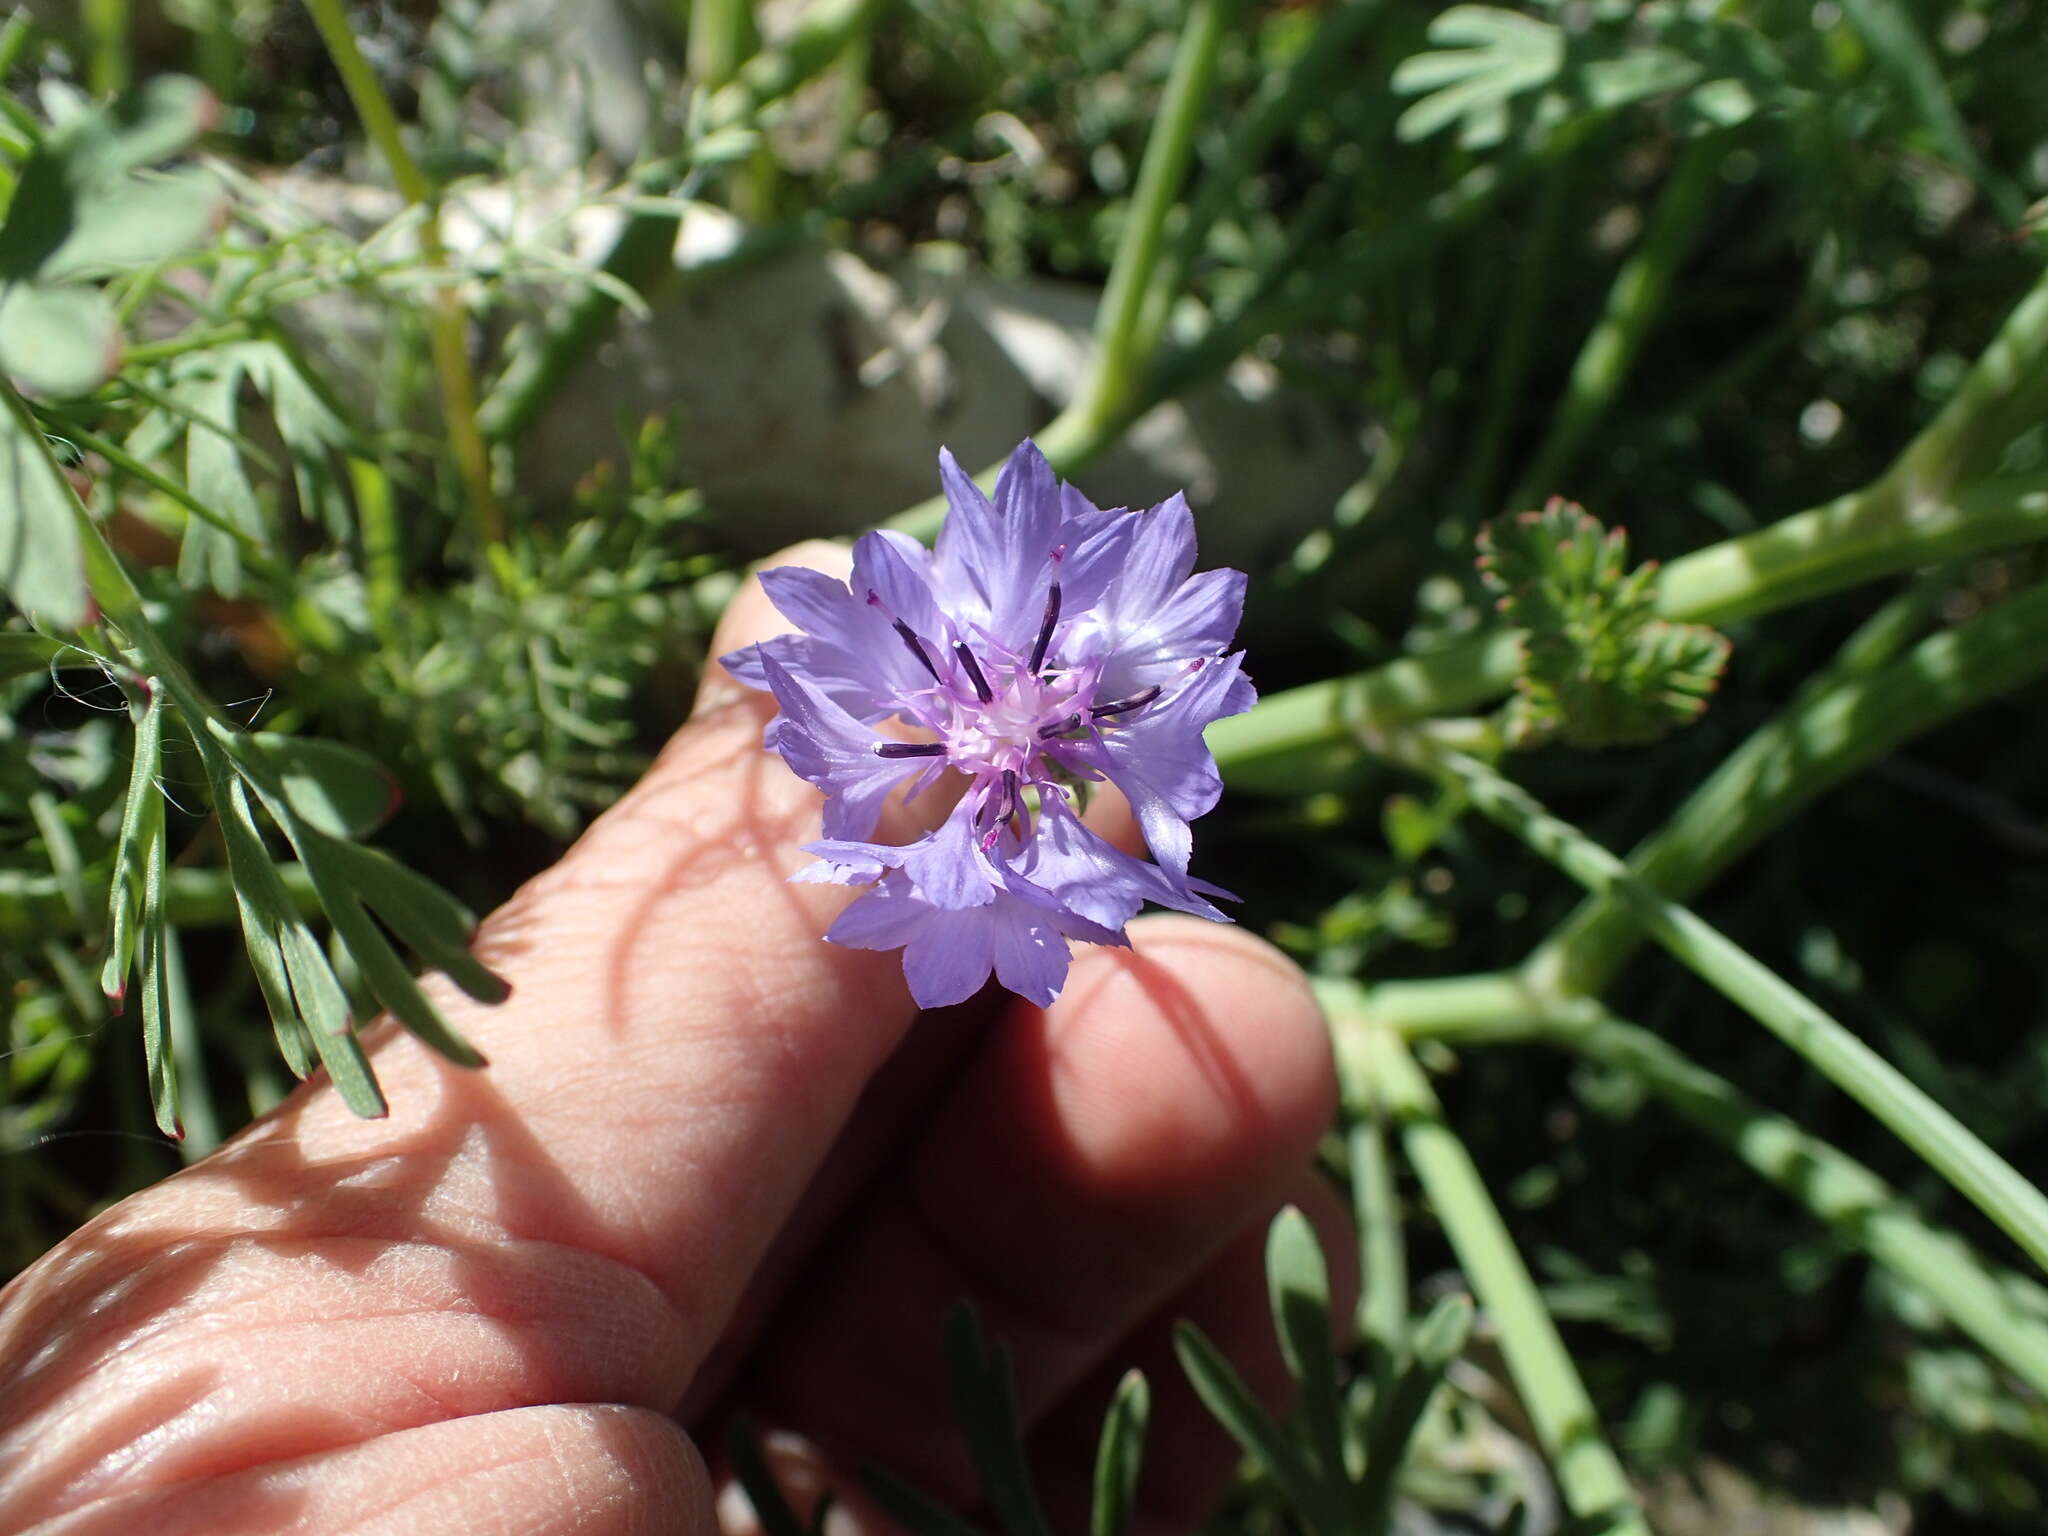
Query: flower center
{"x": 1008, "y": 733}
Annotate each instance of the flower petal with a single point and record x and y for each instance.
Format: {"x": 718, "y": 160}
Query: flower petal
{"x": 1031, "y": 958}
{"x": 1096, "y": 880}
{"x": 1160, "y": 762}
{"x": 825, "y": 745}
{"x": 992, "y": 563}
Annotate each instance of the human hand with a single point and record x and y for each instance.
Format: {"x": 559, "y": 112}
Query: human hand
{"x": 715, "y": 1164}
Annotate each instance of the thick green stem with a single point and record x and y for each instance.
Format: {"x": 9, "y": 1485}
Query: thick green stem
{"x": 1377, "y": 1069}
{"x": 1828, "y": 734}
{"x": 1119, "y": 364}
{"x": 1634, "y": 305}
{"x": 1327, "y": 715}
{"x": 446, "y": 322}
{"x": 2001, "y": 1310}
{"x": 1946, "y": 1144}
{"x": 1807, "y": 555}
{"x": 1874, "y": 533}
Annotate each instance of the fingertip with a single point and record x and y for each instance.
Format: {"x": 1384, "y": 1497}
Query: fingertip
{"x": 1242, "y": 1014}
{"x": 750, "y": 617}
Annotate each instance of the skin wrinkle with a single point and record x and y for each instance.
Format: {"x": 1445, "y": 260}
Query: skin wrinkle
{"x": 636, "y": 1464}
{"x": 454, "y": 1371}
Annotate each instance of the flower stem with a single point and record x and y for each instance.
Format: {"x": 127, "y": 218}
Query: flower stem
{"x": 1115, "y": 379}
{"x": 1376, "y": 1067}
{"x": 1855, "y": 715}
{"x": 1944, "y": 1142}
{"x": 2001, "y": 1310}
{"x": 1805, "y": 556}
{"x": 445, "y": 319}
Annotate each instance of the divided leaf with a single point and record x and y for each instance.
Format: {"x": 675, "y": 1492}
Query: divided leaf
{"x": 1600, "y": 669}
{"x": 80, "y": 210}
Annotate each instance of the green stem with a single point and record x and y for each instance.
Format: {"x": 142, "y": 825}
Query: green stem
{"x": 1376, "y": 1066}
{"x": 1634, "y": 304}
{"x": 1856, "y": 714}
{"x": 721, "y": 32}
{"x": 1858, "y": 538}
{"x": 1807, "y": 555}
{"x": 1327, "y": 715}
{"x": 105, "y": 24}
{"x": 1114, "y": 380}
{"x": 1284, "y": 98}
{"x": 2002, "y": 1311}
{"x": 1944, "y": 1142}
{"x": 446, "y": 322}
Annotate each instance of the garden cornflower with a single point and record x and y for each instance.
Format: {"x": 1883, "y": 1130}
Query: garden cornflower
{"x": 1042, "y": 645}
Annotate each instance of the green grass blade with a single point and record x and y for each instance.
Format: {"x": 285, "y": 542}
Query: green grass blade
{"x": 2005, "y": 1313}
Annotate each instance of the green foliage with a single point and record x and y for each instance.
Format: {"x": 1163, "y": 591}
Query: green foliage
{"x": 1602, "y": 670}
{"x": 81, "y": 209}
{"x": 1698, "y": 266}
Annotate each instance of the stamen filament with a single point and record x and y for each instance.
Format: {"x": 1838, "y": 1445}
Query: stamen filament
{"x": 982, "y": 690}
{"x": 1137, "y": 700}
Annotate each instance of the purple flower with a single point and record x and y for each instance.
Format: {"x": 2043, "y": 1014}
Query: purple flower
{"x": 1044, "y": 644}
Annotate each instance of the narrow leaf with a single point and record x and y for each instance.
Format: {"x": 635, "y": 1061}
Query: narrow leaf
{"x": 263, "y": 908}
{"x": 156, "y": 1020}
{"x": 1298, "y": 1282}
{"x": 1119, "y": 1455}
{"x": 1225, "y": 1395}
{"x": 914, "y": 1511}
{"x": 987, "y": 1410}
{"x": 433, "y": 923}
{"x": 23, "y": 655}
{"x": 1438, "y": 1342}
{"x": 771, "y": 1510}
{"x": 124, "y": 891}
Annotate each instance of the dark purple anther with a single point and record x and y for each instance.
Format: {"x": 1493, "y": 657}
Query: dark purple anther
{"x": 910, "y": 749}
{"x": 1058, "y": 728}
{"x": 1045, "y": 628}
{"x": 982, "y": 691}
{"x": 916, "y": 648}
{"x": 1137, "y": 700}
